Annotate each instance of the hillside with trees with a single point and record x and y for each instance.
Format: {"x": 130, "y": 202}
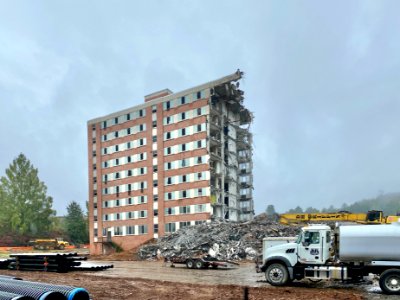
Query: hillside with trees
{"x": 388, "y": 203}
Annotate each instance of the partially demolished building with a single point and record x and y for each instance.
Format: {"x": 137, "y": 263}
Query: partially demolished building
{"x": 179, "y": 159}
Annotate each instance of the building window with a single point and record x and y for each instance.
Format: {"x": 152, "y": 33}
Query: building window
{"x": 116, "y": 134}
{"x": 128, "y": 145}
{"x": 198, "y": 127}
{"x": 141, "y": 142}
{"x": 105, "y": 137}
{"x": 94, "y": 192}
{"x": 168, "y": 105}
{"x": 116, "y": 120}
{"x": 198, "y": 144}
{"x": 169, "y": 180}
{"x": 118, "y": 230}
{"x": 130, "y": 229}
{"x": 183, "y": 163}
{"x": 130, "y": 201}
{"x": 94, "y": 167}
{"x": 168, "y": 135}
{"x": 128, "y": 131}
{"x": 184, "y": 224}
{"x": 116, "y": 148}
{"x": 104, "y": 124}
{"x": 154, "y": 138}
{"x": 143, "y": 214}
{"x": 184, "y": 194}
{"x": 117, "y": 161}
{"x": 170, "y": 227}
{"x": 141, "y": 156}
{"x": 155, "y": 168}
{"x": 141, "y": 113}
{"x": 155, "y": 228}
{"x": 183, "y": 132}
{"x": 169, "y": 150}
{"x": 155, "y": 183}
{"x": 142, "y": 229}
{"x": 168, "y": 120}
{"x": 183, "y": 100}
{"x": 183, "y": 178}
{"x": 129, "y": 172}
{"x": 94, "y": 179}
{"x": 169, "y": 196}
{"x": 198, "y": 95}
{"x": 142, "y": 199}
{"x": 104, "y": 150}
{"x": 116, "y": 175}
{"x": 154, "y": 124}
{"x": 129, "y": 187}
{"x": 200, "y": 192}
{"x": 94, "y": 153}
{"x": 118, "y": 216}
{"x": 199, "y": 160}
{"x": 169, "y": 165}
{"x": 141, "y": 171}
{"x": 154, "y": 108}
{"x": 128, "y": 159}
{"x": 199, "y": 111}
{"x": 183, "y": 147}
{"x": 128, "y": 117}
{"x": 155, "y": 198}
{"x": 155, "y": 153}
{"x": 183, "y": 116}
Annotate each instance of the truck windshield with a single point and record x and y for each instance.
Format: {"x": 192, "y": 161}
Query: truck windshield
{"x": 299, "y": 237}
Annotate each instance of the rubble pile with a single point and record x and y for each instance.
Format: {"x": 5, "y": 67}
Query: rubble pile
{"x": 220, "y": 239}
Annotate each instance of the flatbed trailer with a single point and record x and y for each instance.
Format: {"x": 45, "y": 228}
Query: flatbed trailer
{"x": 201, "y": 262}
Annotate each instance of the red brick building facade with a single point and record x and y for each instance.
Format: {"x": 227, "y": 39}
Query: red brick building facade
{"x": 174, "y": 161}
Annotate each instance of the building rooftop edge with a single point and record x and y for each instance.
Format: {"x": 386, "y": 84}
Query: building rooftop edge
{"x": 232, "y": 77}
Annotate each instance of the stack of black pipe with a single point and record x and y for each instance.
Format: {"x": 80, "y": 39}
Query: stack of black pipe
{"x": 52, "y": 262}
{"x": 17, "y": 289}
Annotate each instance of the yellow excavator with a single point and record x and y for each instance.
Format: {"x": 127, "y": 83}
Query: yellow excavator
{"x": 371, "y": 217}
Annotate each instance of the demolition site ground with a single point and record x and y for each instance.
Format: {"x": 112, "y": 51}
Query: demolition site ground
{"x": 158, "y": 280}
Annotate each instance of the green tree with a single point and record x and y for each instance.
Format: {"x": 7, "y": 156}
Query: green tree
{"x": 296, "y": 210}
{"x": 25, "y": 207}
{"x": 76, "y": 225}
{"x": 270, "y": 210}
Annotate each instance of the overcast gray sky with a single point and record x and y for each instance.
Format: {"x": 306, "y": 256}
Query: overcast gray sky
{"x": 322, "y": 78}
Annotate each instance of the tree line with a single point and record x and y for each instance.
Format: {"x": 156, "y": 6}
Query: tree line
{"x": 388, "y": 203}
{"x": 26, "y": 211}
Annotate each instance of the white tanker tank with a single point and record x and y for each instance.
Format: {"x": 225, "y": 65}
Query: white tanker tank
{"x": 366, "y": 243}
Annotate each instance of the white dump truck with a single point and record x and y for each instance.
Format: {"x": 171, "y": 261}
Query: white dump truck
{"x": 347, "y": 253}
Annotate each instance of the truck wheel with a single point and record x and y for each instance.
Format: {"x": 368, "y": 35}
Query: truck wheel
{"x": 190, "y": 264}
{"x": 277, "y": 274}
{"x": 61, "y": 247}
{"x": 198, "y": 264}
{"x": 390, "y": 281}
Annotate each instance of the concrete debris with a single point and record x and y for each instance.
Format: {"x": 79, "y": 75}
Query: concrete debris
{"x": 220, "y": 239}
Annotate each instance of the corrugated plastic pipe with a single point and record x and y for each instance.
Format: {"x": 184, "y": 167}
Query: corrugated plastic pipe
{"x": 12, "y": 296}
{"x": 70, "y": 292}
{"x": 13, "y": 286}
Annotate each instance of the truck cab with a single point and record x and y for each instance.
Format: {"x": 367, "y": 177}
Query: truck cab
{"x": 312, "y": 247}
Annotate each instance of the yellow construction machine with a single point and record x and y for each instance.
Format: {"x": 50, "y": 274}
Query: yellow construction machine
{"x": 371, "y": 217}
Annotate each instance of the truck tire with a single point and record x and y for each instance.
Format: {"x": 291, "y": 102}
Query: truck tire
{"x": 189, "y": 264}
{"x": 61, "y": 247}
{"x": 277, "y": 274}
{"x": 390, "y": 282}
{"x": 198, "y": 264}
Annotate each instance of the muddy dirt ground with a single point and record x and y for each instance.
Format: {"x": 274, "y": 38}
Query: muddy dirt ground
{"x": 157, "y": 280}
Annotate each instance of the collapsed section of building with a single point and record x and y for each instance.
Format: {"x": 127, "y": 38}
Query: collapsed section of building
{"x": 177, "y": 160}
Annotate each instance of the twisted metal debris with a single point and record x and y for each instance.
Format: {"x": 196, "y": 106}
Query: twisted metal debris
{"x": 220, "y": 239}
